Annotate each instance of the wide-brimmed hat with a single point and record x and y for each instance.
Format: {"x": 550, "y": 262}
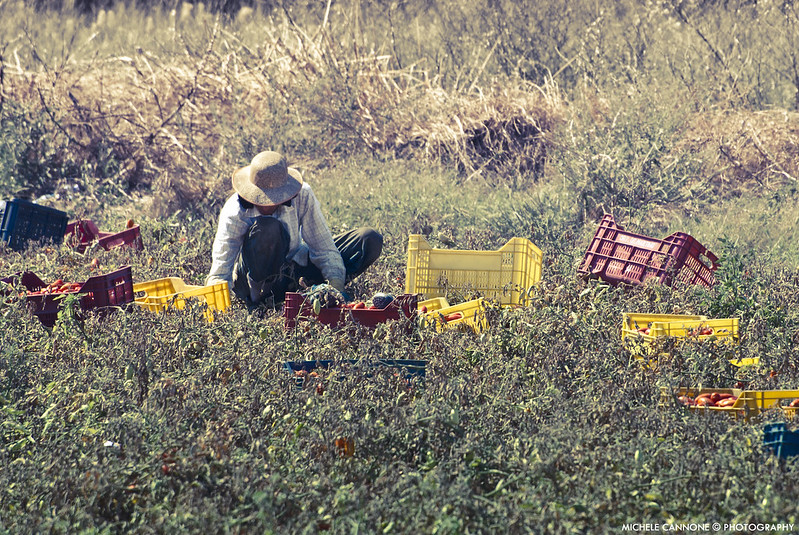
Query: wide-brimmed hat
{"x": 268, "y": 180}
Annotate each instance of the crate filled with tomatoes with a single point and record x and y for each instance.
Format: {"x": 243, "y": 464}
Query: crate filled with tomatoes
{"x": 643, "y": 334}
{"x": 97, "y": 293}
{"x": 739, "y": 403}
{"x": 383, "y": 308}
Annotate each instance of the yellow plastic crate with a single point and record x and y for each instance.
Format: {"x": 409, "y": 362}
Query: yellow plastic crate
{"x": 685, "y": 327}
{"x": 434, "y": 303}
{"x": 157, "y": 295}
{"x": 749, "y": 405}
{"x": 633, "y": 323}
{"x": 472, "y": 317}
{"x": 505, "y": 275}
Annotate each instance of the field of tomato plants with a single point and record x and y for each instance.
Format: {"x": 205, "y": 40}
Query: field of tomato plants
{"x": 164, "y": 421}
{"x": 547, "y": 421}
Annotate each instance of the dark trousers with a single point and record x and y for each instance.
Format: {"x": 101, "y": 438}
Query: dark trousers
{"x": 263, "y": 271}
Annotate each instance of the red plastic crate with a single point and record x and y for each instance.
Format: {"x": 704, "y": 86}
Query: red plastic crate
{"x": 81, "y": 233}
{"x": 298, "y": 306}
{"x": 101, "y": 292}
{"x": 617, "y": 256}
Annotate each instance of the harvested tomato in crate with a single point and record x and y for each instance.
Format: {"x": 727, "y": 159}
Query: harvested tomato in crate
{"x": 738, "y": 403}
{"x": 81, "y": 233}
{"x": 100, "y": 292}
{"x": 297, "y": 307}
{"x": 470, "y": 315}
{"x": 617, "y": 256}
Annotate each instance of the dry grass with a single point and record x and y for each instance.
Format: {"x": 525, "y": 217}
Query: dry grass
{"x": 179, "y": 122}
{"x": 164, "y": 117}
{"x": 746, "y": 150}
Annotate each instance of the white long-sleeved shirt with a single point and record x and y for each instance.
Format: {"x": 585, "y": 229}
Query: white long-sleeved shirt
{"x": 309, "y": 237}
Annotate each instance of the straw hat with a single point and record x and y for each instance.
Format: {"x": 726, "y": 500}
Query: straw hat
{"x": 268, "y": 180}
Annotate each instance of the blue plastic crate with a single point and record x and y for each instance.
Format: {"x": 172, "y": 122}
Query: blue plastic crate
{"x": 780, "y": 440}
{"x": 24, "y": 221}
{"x": 412, "y": 368}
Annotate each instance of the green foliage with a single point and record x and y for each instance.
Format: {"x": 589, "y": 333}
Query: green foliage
{"x": 628, "y": 163}
{"x": 164, "y": 421}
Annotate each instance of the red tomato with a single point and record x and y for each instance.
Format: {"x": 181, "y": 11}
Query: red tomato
{"x": 345, "y": 446}
{"x": 794, "y": 403}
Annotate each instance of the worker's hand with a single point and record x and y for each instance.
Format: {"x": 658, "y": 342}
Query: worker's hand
{"x": 326, "y": 295}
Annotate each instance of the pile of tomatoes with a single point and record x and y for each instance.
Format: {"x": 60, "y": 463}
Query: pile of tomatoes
{"x": 57, "y": 287}
{"x": 700, "y": 331}
{"x": 718, "y": 399}
{"x": 709, "y": 399}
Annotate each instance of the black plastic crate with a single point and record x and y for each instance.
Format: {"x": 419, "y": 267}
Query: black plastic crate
{"x": 24, "y": 221}
{"x": 780, "y": 440}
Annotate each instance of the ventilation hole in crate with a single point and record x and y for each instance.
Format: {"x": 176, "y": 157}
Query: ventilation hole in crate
{"x": 633, "y": 272}
{"x": 640, "y": 256}
{"x": 623, "y": 252}
{"x": 615, "y": 268}
{"x": 606, "y": 247}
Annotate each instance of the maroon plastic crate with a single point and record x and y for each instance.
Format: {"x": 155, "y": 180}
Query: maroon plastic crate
{"x": 81, "y": 233}
{"x": 617, "y": 256}
{"x": 100, "y": 292}
{"x": 297, "y": 307}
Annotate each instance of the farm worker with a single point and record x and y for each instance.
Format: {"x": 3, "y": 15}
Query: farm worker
{"x": 271, "y": 233}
